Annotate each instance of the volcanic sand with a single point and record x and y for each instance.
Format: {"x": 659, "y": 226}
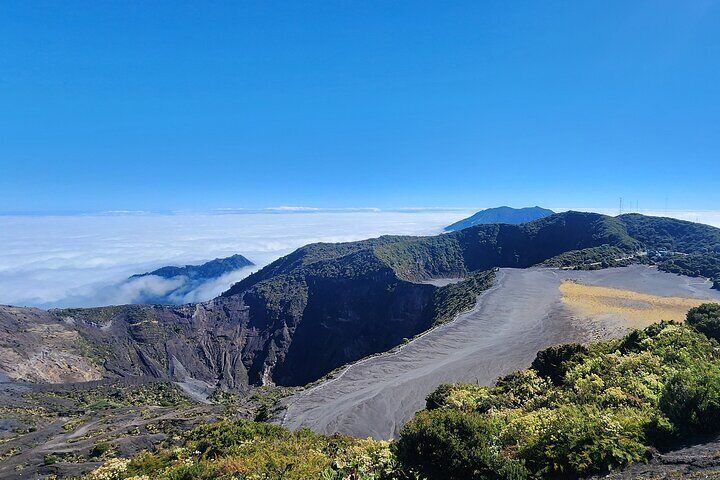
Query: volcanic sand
{"x": 526, "y": 310}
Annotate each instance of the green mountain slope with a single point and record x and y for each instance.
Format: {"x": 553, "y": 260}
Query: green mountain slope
{"x": 453, "y": 254}
{"x": 672, "y": 235}
{"x": 678, "y": 246}
{"x": 334, "y": 303}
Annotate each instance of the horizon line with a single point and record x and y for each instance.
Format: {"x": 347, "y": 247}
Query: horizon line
{"x": 292, "y": 209}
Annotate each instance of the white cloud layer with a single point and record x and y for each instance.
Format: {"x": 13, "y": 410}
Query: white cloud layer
{"x": 85, "y": 260}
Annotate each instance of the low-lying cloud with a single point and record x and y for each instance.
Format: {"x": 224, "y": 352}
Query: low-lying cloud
{"x": 86, "y": 260}
{"x": 149, "y": 289}
{"x": 133, "y": 290}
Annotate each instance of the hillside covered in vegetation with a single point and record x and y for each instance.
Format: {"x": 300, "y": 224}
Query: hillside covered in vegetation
{"x": 678, "y": 246}
{"x": 325, "y": 305}
{"x": 578, "y": 410}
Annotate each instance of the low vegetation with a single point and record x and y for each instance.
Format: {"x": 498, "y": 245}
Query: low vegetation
{"x": 578, "y": 410}
{"x": 593, "y": 258}
{"x": 456, "y": 298}
{"x": 250, "y": 450}
{"x": 705, "y": 319}
{"x": 116, "y": 395}
{"x": 694, "y": 265}
{"x": 260, "y": 405}
{"x": 64, "y": 429}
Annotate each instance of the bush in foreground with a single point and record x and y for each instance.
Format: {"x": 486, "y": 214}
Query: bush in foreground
{"x": 446, "y": 443}
{"x": 250, "y": 450}
{"x": 691, "y": 399}
{"x": 706, "y": 319}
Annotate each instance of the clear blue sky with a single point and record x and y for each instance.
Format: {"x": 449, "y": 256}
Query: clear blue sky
{"x": 178, "y": 105}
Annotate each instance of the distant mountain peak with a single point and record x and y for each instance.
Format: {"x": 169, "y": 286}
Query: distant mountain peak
{"x": 503, "y": 214}
{"x": 213, "y": 268}
{"x": 188, "y": 283}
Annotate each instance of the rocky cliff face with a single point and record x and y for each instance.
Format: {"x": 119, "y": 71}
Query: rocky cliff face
{"x": 346, "y": 319}
{"x": 231, "y": 342}
{"x": 37, "y": 346}
{"x": 202, "y": 344}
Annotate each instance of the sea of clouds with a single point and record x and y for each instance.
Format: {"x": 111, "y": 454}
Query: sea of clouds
{"x": 86, "y": 260}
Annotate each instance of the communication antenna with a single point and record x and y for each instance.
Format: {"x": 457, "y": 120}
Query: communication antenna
{"x": 620, "y": 206}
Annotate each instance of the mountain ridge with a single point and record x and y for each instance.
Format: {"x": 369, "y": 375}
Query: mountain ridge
{"x": 503, "y": 214}
{"x": 209, "y": 269}
{"x": 322, "y": 306}
{"x": 182, "y": 284}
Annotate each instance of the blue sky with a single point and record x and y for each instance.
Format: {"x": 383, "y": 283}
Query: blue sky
{"x": 202, "y": 105}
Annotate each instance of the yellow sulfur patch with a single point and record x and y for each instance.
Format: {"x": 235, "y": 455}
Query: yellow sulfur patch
{"x": 638, "y": 309}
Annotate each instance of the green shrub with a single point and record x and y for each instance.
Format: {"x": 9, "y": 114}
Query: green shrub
{"x": 147, "y": 462}
{"x": 445, "y": 443}
{"x": 438, "y": 398}
{"x": 99, "y": 449}
{"x": 575, "y": 440}
{"x": 706, "y": 319}
{"x": 262, "y": 414}
{"x": 552, "y": 363}
{"x": 691, "y": 399}
{"x": 676, "y": 345}
{"x": 521, "y": 388}
{"x": 660, "y": 431}
{"x": 220, "y": 438}
{"x": 462, "y": 396}
{"x": 614, "y": 380}
{"x": 248, "y": 450}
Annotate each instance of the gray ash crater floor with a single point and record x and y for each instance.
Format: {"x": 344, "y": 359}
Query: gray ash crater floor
{"x": 521, "y": 314}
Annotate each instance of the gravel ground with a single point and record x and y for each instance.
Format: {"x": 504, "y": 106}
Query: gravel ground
{"x": 698, "y": 462}
{"x": 520, "y": 315}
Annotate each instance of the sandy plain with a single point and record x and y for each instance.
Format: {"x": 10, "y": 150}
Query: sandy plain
{"x": 526, "y": 310}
